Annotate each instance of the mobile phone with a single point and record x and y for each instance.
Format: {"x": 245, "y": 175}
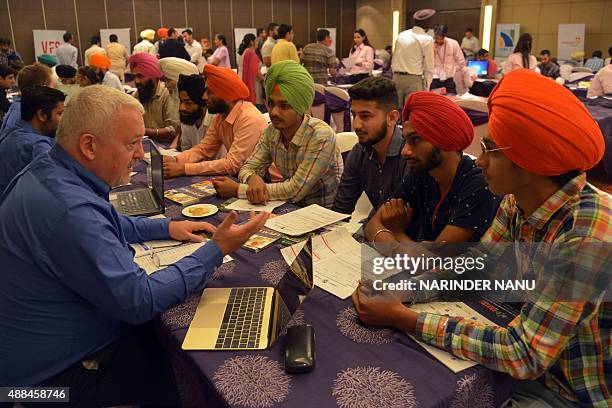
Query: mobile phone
{"x": 300, "y": 349}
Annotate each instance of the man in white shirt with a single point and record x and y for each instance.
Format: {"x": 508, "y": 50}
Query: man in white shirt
{"x": 67, "y": 53}
{"x": 448, "y": 58}
{"x": 101, "y": 63}
{"x": 146, "y": 45}
{"x": 94, "y": 49}
{"x": 268, "y": 46}
{"x": 413, "y": 59}
{"x": 193, "y": 48}
{"x": 469, "y": 44}
{"x": 193, "y": 114}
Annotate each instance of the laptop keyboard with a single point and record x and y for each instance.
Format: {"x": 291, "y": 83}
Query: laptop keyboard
{"x": 135, "y": 201}
{"x": 244, "y": 313}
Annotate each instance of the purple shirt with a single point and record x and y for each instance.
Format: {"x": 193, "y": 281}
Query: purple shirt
{"x": 223, "y": 56}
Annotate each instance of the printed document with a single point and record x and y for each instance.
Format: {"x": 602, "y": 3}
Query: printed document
{"x": 304, "y": 220}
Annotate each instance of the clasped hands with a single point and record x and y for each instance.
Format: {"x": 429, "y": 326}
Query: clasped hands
{"x": 257, "y": 192}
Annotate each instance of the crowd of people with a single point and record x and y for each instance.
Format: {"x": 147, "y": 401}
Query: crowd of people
{"x": 75, "y": 308}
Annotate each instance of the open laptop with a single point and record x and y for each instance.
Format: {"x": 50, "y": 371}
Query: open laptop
{"x": 144, "y": 201}
{"x": 482, "y": 67}
{"x": 250, "y": 318}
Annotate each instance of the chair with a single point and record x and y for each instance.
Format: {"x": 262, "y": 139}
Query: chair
{"x": 346, "y": 141}
{"x": 338, "y": 108}
{"x": 267, "y": 117}
{"x": 318, "y": 104}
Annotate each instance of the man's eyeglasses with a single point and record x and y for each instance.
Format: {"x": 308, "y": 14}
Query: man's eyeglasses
{"x": 486, "y": 150}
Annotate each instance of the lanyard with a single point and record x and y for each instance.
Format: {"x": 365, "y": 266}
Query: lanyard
{"x": 437, "y": 207}
{"x": 443, "y": 55}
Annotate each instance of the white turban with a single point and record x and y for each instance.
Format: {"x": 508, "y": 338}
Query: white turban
{"x": 172, "y": 67}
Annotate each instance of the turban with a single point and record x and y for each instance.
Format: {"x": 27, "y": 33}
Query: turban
{"x": 194, "y": 86}
{"x": 47, "y": 59}
{"x": 99, "y": 61}
{"x": 146, "y": 64}
{"x": 225, "y": 83}
{"x": 162, "y": 32}
{"x": 172, "y": 67}
{"x": 294, "y": 82}
{"x": 438, "y": 120}
{"x": 65, "y": 71}
{"x": 147, "y": 34}
{"x": 549, "y": 131}
{"x": 424, "y": 14}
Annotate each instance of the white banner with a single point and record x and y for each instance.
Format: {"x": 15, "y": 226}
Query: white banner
{"x": 332, "y": 34}
{"x": 506, "y": 37}
{"x": 47, "y": 41}
{"x": 123, "y": 37}
{"x": 569, "y": 39}
{"x": 239, "y": 34}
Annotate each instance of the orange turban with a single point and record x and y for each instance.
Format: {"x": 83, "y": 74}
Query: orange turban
{"x": 549, "y": 131}
{"x": 438, "y": 120}
{"x": 99, "y": 61}
{"x": 225, "y": 83}
{"x": 162, "y": 32}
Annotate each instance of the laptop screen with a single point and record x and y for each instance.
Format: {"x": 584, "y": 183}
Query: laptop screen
{"x": 157, "y": 172}
{"x": 483, "y": 67}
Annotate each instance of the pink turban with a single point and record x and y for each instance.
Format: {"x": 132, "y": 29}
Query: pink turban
{"x": 549, "y": 131}
{"x": 146, "y": 64}
{"x": 438, "y": 120}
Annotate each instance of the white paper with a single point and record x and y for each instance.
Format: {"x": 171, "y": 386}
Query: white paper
{"x": 348, "y": 63}
{"x": 339, "y": 274}
{"x": 146, "y": 247}
{"x": 291, "y": 252}
{"x": 454, "y": 309}
{"x": 351, "y": 227}
{"x": 163, "y": 152}
{"x": 245, "y": 205}
{"x": 304, "y": 220}
{"x": 169, "y": 256}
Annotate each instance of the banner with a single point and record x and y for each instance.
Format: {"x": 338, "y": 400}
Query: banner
{"x": 239, "y": 34}
{"x": 506, "y": 37}
{"x": 332, "y": 34}
{"x": 569, "y": 39}
{"x": 47, "y": 41}
{"x": 123, "y": 37}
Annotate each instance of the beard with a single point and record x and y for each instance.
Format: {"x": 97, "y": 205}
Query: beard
{"x": 217, "y": 106}
{"x": 146, "y": 91}
{"x": 377, "y": 137}
{"x": 433, "y": 161}
{"x": 191, "y": 118}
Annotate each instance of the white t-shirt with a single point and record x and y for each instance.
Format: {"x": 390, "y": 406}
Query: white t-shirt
{"x": 191, "y": 135}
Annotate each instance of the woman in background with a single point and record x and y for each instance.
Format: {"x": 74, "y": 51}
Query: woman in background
{"x": 522, "y": 57}
{"x": 251, "y": 75}
{"x": 361, "y": 57}
{"x": 220, "y": 57}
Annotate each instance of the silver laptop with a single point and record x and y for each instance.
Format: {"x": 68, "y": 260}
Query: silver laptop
{"x": 250, "y": 318}
{"x": 144, "y": 201}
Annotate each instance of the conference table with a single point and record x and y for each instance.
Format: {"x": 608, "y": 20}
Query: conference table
{"x": 355, "y": 365}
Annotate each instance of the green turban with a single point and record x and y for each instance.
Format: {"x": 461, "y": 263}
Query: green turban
{"x": 294, "y": 82}
{"x": 48, "y": 60}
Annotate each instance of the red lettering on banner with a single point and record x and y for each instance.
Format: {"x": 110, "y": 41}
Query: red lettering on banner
{"x": 49, "y": 46}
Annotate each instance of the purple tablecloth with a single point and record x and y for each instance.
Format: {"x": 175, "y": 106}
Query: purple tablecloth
{"x": 375, "y": 367}
{"x": 601, "y": 114}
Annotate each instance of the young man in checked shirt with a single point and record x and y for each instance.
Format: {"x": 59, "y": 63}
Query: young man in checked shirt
{"x": 541, "y": 141}
{"x": 303, "y": 148}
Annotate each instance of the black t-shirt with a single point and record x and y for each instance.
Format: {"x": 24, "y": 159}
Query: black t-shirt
{"x": 468, "y": 204}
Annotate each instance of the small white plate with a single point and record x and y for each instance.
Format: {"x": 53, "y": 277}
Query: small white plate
{"x": 200, "y": 210}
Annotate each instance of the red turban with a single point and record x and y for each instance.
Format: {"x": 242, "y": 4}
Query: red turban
{"x": 225, "y": 83}
{"x": 146, "y": 65}
{"x": 99, "y": 61}
{"x": 438, "y": 120}
{"x": 162, "y": 32}
{"x": 549, "y": 131}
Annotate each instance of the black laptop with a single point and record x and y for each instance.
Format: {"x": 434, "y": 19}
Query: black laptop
{"x": 144, "y": 201}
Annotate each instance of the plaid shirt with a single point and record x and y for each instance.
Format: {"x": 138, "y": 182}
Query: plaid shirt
{"x": 311, "y": 167}
{"x": 317, "y": 58}
{"x": 568, "y": 344}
